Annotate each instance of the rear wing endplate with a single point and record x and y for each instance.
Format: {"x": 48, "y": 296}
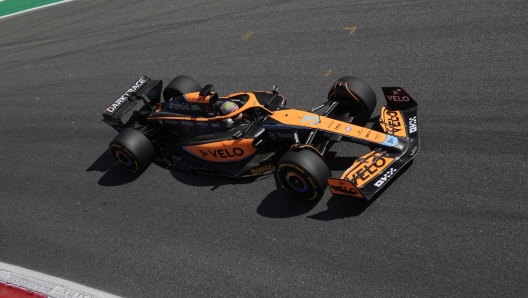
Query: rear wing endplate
{"x": 144, "y": 89}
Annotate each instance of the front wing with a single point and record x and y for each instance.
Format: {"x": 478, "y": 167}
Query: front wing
{"x": 372, "y": 171}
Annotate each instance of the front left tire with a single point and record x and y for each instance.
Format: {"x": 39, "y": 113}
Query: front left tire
{"x": 303, "y": 173}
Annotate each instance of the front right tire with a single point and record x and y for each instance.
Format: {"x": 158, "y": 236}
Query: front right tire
{"x": 355, "y": 97}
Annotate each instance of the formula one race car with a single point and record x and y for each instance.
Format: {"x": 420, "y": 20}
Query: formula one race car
{"x": 183, "y": 126}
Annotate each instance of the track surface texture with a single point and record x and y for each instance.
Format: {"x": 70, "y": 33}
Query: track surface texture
{"x": 453, "y": 225}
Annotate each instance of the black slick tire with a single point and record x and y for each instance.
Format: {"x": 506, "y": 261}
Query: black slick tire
{"x": 355, "y": 97}
{"x": 132, "y": 150}
{"x": 303, "y": 173}
{"x": 180, "y": 85}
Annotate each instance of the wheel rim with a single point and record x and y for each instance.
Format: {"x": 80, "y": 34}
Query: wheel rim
{"x": 124, "y": 158}
{"x": 296, "y": 182}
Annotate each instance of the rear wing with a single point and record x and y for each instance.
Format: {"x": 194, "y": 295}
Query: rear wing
{"x": 145, "y": 89}
{"x": 372, "y": 171}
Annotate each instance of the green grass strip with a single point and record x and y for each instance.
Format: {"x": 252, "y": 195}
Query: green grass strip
{"x": 8, "y": 7}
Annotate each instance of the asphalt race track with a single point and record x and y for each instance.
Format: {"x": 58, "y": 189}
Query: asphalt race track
{"x": 455, "y": 224}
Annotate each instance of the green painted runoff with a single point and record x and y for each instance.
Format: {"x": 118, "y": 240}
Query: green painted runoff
{"x": 8, "y": 7}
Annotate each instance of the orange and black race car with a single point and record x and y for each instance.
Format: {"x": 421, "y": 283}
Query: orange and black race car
{"x": 182, "y": 126}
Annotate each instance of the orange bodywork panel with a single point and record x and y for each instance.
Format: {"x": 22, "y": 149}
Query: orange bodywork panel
{"x": 223, "y": 151}
{"x": 343, "y": 187}
{"x": 392, "y": 122}
{"x": 306, "y": 119}
{"x": 195, "y": 97}
{"x": 366, "y": 168}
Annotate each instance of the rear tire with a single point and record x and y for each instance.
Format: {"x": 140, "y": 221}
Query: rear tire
{"x": 303, "y": 173}
{"x": 360, "y": 104}
{"x": 132, "y": 150}
{"x": 180, "y": 85}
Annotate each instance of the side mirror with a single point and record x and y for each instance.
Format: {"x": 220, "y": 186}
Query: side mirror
{"x": 206, "y": 89}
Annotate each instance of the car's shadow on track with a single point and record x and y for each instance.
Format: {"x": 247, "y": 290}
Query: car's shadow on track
{"x": 277, "y": 204}
{"x": 215, "y": 181}
{"x": 103, "y": 163}
{"x": 113, "y": 174}
{"x": 342, "y": 207}
{"x": 280, "y": 204}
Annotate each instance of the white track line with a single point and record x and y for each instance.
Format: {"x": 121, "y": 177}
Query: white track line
{"x": 51, "y": 286}
{"x": 34, "y": 8}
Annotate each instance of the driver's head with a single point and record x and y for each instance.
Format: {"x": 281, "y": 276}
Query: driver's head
{"x": 228, "y": 107}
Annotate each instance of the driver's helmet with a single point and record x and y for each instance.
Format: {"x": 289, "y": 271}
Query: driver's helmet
{"x": 229, "y": 107}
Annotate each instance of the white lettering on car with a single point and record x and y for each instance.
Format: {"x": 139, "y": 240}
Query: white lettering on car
{"x": 123, "y": 97}
{"x": 412, "y": 124}
{"x": 179, "y": 106}
{"x": 385, "y": 177}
